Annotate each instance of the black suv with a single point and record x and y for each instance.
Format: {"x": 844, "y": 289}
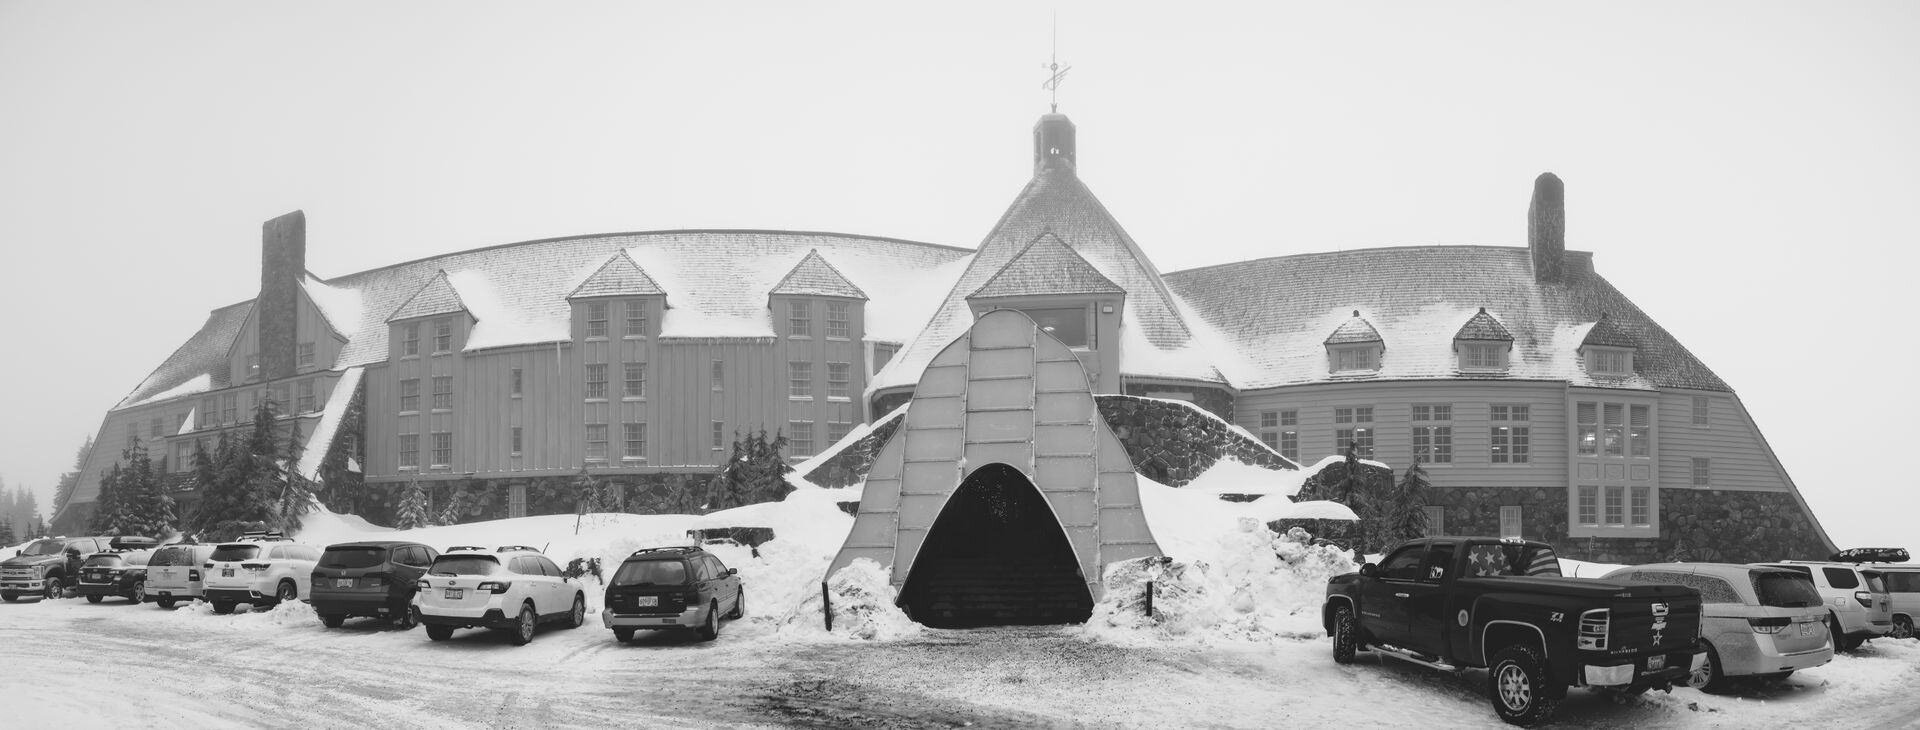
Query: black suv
{"x": 119, "y": 572}
{"x": 672, "y": 587}
{"x": 373, "y": 578}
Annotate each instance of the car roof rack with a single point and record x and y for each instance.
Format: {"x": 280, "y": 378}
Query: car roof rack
{"x": 682, "y": 549}
{"x": 261, "y": 536}
{"x": 516, "y": 549}
{"x": 457, "y": 548}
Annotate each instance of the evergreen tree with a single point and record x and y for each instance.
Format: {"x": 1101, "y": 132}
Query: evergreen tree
{"x": 413, "y": 507}
{"x": 267, "y": 475}
{"x": 9, "y": 513}
{"x": 24, "y": 505}
{"x": 206, "y": 479}
{"x": 36, "y": 528}
{"x": 295, "y": 497}
{"x": 63, "y": 489}
{"x": 107, "y": 510}
{"x": 755, "y": 474}
{"x": 146, "y": 508}
{"x": 7, "y": 536}
{"x": 1406, "y": 517}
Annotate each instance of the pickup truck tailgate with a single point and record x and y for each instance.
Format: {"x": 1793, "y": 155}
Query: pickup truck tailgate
{"x": 1647, "y": 618}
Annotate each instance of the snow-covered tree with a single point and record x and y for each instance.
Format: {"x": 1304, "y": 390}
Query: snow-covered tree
{"x": 1406, "y": 514}
{"x": 756, "y": 473}
{"x": 413, "y": 508}
{"x": 63, "y": 489}
{"x": 7, "y": 535}
{"x": 108, "y": 511}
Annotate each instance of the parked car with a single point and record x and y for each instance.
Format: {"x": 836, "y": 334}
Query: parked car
{"x": 1757, "y": 622}
{"x": 374, "y": 578}
{"x": 1858, "y": 607}
{"x": 119, "y": 572}
{"x": 672, "y": 587}
{"x": 512, "y": 588}
{"x": 1903, "y": 593}
{"x": 260, "y": 569}
{"x": 46, "y": 566}
{"x": 1452, "y": 602}
{"x": 175, "y": 573}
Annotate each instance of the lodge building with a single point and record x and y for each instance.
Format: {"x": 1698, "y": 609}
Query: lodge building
{"x": 1538, "y": 398}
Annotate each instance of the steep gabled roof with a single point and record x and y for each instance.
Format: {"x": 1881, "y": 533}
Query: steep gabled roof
{"x": 813, "y": 276}
{"x": 437, "y": 296}
{"x": 1608, "y": 333}
{"x": 1483, "y": 326}
{"x": 1354, "y": 331}
{"x": 1046, "y": 266}
{"x": 618, "y": 277}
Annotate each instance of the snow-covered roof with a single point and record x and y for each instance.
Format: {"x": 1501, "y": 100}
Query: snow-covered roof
{"x": 618, "y": 277}
{"x": 437, "y": 296}
{"x": 1483, "y": 327}
{"x": 1047, "y": 266}
{"x": 813, "y": 276}
{"x": 1352, "y": 331}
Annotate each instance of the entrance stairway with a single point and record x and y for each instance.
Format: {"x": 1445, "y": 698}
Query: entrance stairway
{"x": 959, "y": 592}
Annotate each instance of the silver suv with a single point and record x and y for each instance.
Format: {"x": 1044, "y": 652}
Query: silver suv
{"x": 1858, "y": 607}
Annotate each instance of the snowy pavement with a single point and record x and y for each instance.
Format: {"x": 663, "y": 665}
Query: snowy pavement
{"x": 74, "y": 664}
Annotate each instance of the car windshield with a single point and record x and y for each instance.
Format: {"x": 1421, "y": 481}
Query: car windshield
{"x": 465, "y": 565}
{"x": 360, "y": 556}
{"x": 234, "y": 552}
{"x": 43, "y": 547}
{"x": 1785, "y": 590}
{"x": 651, "y": 572}
{"x": 102, "y": 561}
{"x": 172, "y": 556}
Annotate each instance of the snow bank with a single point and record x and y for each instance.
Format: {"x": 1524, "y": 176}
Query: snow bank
{"x": 292, "y": 614}
{"x": 863, "y": 606}
{"x": 1248, "y": 584}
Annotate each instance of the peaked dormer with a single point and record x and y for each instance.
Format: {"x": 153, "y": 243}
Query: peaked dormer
{"x": 619, "y": 284}
{"x": 1608, "y": 349}
{"x": 1067, "y": 297}
{"x": 1355, "y": 347}
{"x": 434, "y": 321}
{"x": 815, "y": 300}
{"x": 1483, "y": 345}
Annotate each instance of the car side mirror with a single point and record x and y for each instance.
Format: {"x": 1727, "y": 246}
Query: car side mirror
{"x": 1368, "y": 569}
{"x": 733, "y": 571}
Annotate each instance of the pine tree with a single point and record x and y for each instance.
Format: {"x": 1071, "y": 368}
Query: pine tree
{"x": 413, "y": 507}
{"x": 63, "y": 489}
{"x": 36, "y": 528}
{"x": 755, "y": 474}
{"x": 146, "y": 508}
{"x": 106, "y": 506}
{"x": 206, "y": 478}
{"x": 24, "y": 505}
{"x": 9, "y": 513}
{"x": 7, "y": 536}
{"x": 1407, "y": 518}
{"x": 296, "y": 494}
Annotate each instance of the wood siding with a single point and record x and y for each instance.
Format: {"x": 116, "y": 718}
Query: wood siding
{"x": 309, "y": 326}
{"x": 1737, "y": 455}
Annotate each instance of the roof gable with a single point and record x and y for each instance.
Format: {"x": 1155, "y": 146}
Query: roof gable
{"x": 1607, "y": 333}
{"x": 619, "y": 276}
{"x": 436, "y": 297}
{"x": 813, "y": 276}
{"x": 1046, "y": 266}
{"x": 1354, "y": 331}
{"x": 1483, "y": 326}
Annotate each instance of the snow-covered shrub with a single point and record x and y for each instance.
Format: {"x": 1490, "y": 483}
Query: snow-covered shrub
{"x": 863, "y": 606}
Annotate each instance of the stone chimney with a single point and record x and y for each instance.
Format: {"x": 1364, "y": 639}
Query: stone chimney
{"x": 283, "y": 263}
{"x": 1053, "y": 142}
{"x": 1547, "y": 228}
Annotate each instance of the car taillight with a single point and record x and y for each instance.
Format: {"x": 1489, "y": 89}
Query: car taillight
{"x": 1770, "y": 625}
{"x": 208, "y": 566}
{"x": 1865, "y": 598}
{"x": 1593, "y": 628}
{"x": 495, "y": 586}
{"x": 690, "y": 597}
{"x": 254, "y": 566}
{"x": 193, "y": 575}
{"x": 421, "y": 584}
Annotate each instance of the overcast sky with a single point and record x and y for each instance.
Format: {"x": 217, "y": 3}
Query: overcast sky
{"x": 1745, "y": 171}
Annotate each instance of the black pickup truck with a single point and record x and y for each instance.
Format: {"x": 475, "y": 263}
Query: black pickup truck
{"x": 1457, "y": 602}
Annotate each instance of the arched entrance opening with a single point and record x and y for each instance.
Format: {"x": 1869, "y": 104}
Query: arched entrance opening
{"x": 996, "y": 556}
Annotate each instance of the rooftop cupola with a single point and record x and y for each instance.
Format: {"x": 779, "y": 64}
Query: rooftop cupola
{"x": 1053, "y": 142}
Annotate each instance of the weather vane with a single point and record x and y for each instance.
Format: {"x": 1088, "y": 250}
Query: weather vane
{"x": 1059, "y": 72}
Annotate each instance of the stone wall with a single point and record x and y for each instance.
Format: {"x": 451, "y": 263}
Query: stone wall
{"x": 1172, "y": 443}
{"x": 1212, "y": 400}
{"x": 1696, "y": 525}
{"x": 1475, "y": 512}
{"x": 476, "y": 499}
{"x": 849, "y": 467}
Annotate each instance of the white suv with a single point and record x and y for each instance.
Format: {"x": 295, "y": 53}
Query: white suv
{"x": 1858, "y": 607}
{"x": 259, "y": 569}
{"x": 514, "y": 588}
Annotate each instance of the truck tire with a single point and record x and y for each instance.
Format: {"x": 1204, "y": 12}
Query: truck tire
{"x": 9, "y": 597}
{"x": 1345, "y": 634}
{"x": 95, "y": 598}
{"x": 1518, "y": 685}
{"x": 53, "y": 588}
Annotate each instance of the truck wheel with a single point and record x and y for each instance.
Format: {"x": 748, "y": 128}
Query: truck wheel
{"x": 9, "y": 597}
{"x": 1345, "y": 638}
{"x": 95, "y": 598}
{"x": 1517, "y": 681}
{"x": 1709, "y": 678}
{"x": 53, "y": 588}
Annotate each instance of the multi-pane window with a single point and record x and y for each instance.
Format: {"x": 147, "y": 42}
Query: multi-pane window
{"x": 1483, "y": 356}
{"x": 1639, "y": 431}
{"x": 277, "y": 394}
{"x": 799, "y": 380}
{"x": 1589, "y": 504}
{"x": 157, "y": 426}
{"x": 1269, "y": 419}
{"x": 800, "y": 438}
{"x": 1511, "y": 434}
{"x": 1433, "y": 433}
{"x": 596, "y": 442}
{"x": 1613, "y": 429}
{"x": 1606, "y": 361}
{"x": 1068, "y": 325}
{"x": 839, "y": 380}
{"x": 1289, "y": 418}
{"x": 410, "y": 339}
{"x": 1700, "y": 413}
{"x": 1271, "y": 439}
{"x": 442, "y": 392}
{"x": 1354, "y": 429}
{"x": 636, "y": 441}
{"x": 1361, "y": 357}
{"x": 514, "y": 441}
{"x": 515, "y": 379}
{"x": 596, "y": 319}
{"x": 303, "y": 357}
{"x": 636, "y": 318}
{"x": 1510, "y": 521}
{"x": 1290, "y": 445}
{"x": 209, "y": 412}
{"x": 1702, "y": 471}
{"x": 253, "y": 365}
{"x": 1616, "y": 509}
{"x": 883, "y": 354}
{"x": 719, "y": 375}
{"x": 719, "y": 435}
{"x": 409, "y": 451}
{"x": 597, "y": 380}
{"x": 799, "y": 319}
{"x": 1436, "y": 519}
{"x": 517, "y": 500}
{"x": 442, "y": 448}
{"x": 442, "y": 335}
{"x": 409, "y": 395}
{"x": 1587, "y": 421}
{"x": 182, "y": 456}
{"x": 303, "y": 398}
{"x": 636, "y": 381}
{"x": 229, "y": 405}
{"x": 1637, "y": 505}
{"x": 839, "y": 320}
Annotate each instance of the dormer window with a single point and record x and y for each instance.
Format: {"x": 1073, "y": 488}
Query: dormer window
{"x": 1483, "y": 356}
{"x": 1066, "y": 324}
{"x": 1608, "y": 349}
{"x": 1352, "y": 358}
{"x": 1616, "y": 361}
{"x": 1355, "y": 347}
{"x": 1482, "y": 344}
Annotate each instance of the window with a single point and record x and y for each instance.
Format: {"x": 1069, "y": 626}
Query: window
{"x": 1511, "y": 441}
{"x": 1638, "y": 506}
{"x": 837, "y": 430}
{"x": 1702, "y": 471}
{"x": 801, "y": 439}
{"x": 514, "y": 441}
{"x": 209, "y": 412}
{"x": 1436, "y": 520}
{"x": 1433, "y": 443}
{"x": 229, "y": 404}
{"x": 304, "y": 355}
{"x": 1639, "y": 431}
{"x": 636, "y": 380}
{"x": 409, "y": 395}
{"x": 596, "y": 442}
{"x": 442, "y": 336}
{"x": 1588, "y": 423}
{"x": 839, "y": 380}
{"x": 1403, "y": 564}
{"x": 1355, "y": 358}
{"x": 1510, "y": 521}
{"x": 409, "y": 451}
{"x": 1483, "y": 356}
{"x": 719, "y": 435}
{"x": 1358, "y": 437}
{"x": 636, "y": 318}
{"x": 636, "y": 441}
{"x": 596, "y": 380}
{"x": 182, "y": 456}
{"x": 799, "y": 319}
{"x": 1589, "y": 504}
{"x": 1613, "y": 440}
{"x": 1271, "y": 439}
{"x": 442, "y": 392}
{"x": 1616, "y": 504}
{"x": 514, "y": 381}
{"x": 799, "y": 380}
{"x": 410, "y": 339}
{"x": 1068, "y": 325}
{"x": 442, "y": 449}
{"x": 1609, "y": 361}
{"x": 1290, "y": 445}
{"x": 719, "y": 375}
{"x": 304, "y": 400}
{"x": 1269, "y": 419}
{"x": 157, "y": 426}
{"x": 277, "y": 394}
{"x": 596, "y": 319}
{"x": 1289, "y": 418}
{"x": 1841, "y": 578}
{"x": 839, "y": 320}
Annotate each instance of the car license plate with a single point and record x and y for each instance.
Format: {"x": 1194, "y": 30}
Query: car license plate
{"x": 646, "y": 601}
{"x": 343, "y": 582}
{"x": 226, "y": 572}
{"x": 1806, "y": 628}
{"x": 456, "y": 592}
{"x": 1658, "y": 661}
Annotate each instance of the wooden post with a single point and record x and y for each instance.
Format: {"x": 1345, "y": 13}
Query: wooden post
{"x": 1149, "y": 599}
{"x": 826, "y": 605}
